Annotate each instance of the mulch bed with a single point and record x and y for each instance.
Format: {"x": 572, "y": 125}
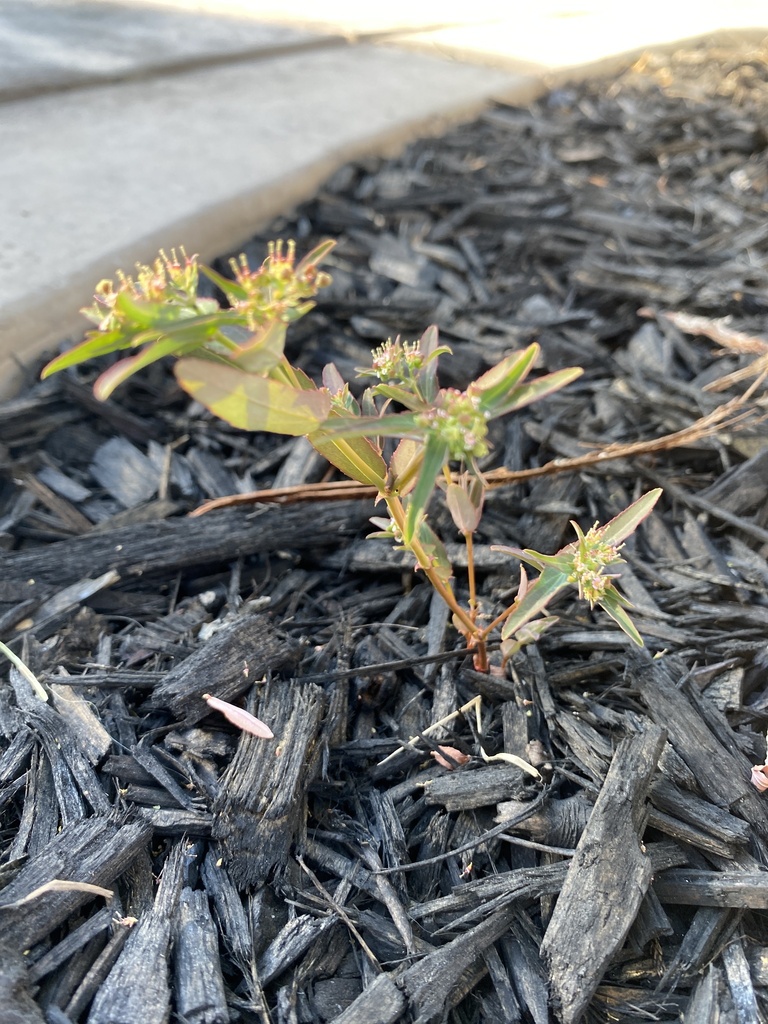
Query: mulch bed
{"x": 339, "y": 873}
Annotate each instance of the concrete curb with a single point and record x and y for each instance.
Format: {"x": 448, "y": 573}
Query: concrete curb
{"x": 262, "y": 152}
{"x": 207, "y": 157}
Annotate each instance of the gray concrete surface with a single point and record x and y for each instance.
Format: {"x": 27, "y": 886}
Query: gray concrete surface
{"x": 134, "y": 125}
{"x": 46, "y": 47}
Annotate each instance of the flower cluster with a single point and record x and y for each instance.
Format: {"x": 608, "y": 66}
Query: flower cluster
{"x": 395, "y": 361}
{"x": 279, "y": 289}
{"x": 458, "y": 420}
{"x": 170, "y": 280}
{"x": 593, "y": 554}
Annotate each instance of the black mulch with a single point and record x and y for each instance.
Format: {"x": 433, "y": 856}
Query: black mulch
{"x": 339, "y": 873}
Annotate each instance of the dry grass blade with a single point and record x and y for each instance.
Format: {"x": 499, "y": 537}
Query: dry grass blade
{"x": 60, "y": 885}
{"x": 337, "y": 908}
{"x": 719, "y": 330}
{"x": 758, "y": 367}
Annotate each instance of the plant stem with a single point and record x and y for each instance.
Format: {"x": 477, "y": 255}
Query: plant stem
{"x": 471, "y": 575}
{"x": 498, "y": 621}
{"x": 478, "y": 636}
{"x": 398, "y": 515}
{"x": 467, "y": 625}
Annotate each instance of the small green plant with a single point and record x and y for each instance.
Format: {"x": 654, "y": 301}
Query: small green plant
{"x": 232, "y": 360}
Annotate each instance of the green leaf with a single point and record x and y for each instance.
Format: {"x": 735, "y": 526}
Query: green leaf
{"x": 316, "y": 255}
{"x": 143, "y": 315}
{"x": 263, "y": 351}
{"x": 534, "y": 390}
{"x": 626, "y": 522}
{"x": 368, "y": 405}
{"x": 400, "y": 424}
{"x": 404, "y": 466}
{"x": 333, "y": 380}
{"x": 436, "y": 552}
{"x": 530, "y": 633}
{"x": 356, "y": 457}
{"x": 252, "y": 402}
{"x": 562, "y": 561}
{"x": 428, "y": 342}
{"x": 613, "y": 604}
{"x": 435, "y": 455}
{"x": 430, "y": 351}
{"x": 400, "y": 395}
{"x": 495, "y": 385}
{"x": 283, "y": 372}
{"x": 97, "y": 343}
{"x": 184, "y": 336}
{"x": 295, "y": 313}
{"x": 125, "y": 368}
{"x": 234, "y": 291}
{"x": 536, "y": 598}
{"x": 343, "y": 402}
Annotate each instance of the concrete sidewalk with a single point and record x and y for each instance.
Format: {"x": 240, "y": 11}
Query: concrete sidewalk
{"x": 130, "y": 126}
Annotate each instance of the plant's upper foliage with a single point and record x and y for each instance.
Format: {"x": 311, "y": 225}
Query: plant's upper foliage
{"x": 232, "y": 360}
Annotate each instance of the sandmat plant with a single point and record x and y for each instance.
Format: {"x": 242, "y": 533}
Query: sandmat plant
{"x": 405, "y": 435}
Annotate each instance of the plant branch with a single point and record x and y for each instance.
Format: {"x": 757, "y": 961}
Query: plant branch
{"x": 730, "y": 414}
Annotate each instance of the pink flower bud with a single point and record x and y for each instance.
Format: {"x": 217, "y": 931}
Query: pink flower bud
{"x": 244, "y": 720}
{"x": 759, "y": 777}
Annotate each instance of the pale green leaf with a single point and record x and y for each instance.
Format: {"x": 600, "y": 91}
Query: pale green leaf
{"x": 533, "y": 391}
{"x": 626, "y": 522}
{"x": 356, "y": 457}
{"x": 563, "y": 561}
{"x": 400, "y": 395}
{"x": 316, "y": 255}
{"x": 143, "y": 314}
{"x": 433, "y": 547}
{"x": 251, "y": 402}
{"x": 613, "y": 604}
{"x": 495, "y": 384}
{"x": 401, "y": 424}
{"x": 404, "y": 465}
{"x": 263, "y": 350}
{"x": 234, "y": 291}
{"x": 97, "y": 343}
{"x": 120, "y": 372}
{"x": 435, "y": 455}
{"x": 465, "y": 508}
{"x": 332, "y": 379}
{"x": 430, "y": 350}
{"x": 537, "y": 597}
{"x": 530, "y": 633}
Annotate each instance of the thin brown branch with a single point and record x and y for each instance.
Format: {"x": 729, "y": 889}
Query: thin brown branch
{"x": 730, "y": 414}
{"x": 338, "y": 490}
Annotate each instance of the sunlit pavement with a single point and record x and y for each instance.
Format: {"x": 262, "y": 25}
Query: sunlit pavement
{"x": 130, "y": 126}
